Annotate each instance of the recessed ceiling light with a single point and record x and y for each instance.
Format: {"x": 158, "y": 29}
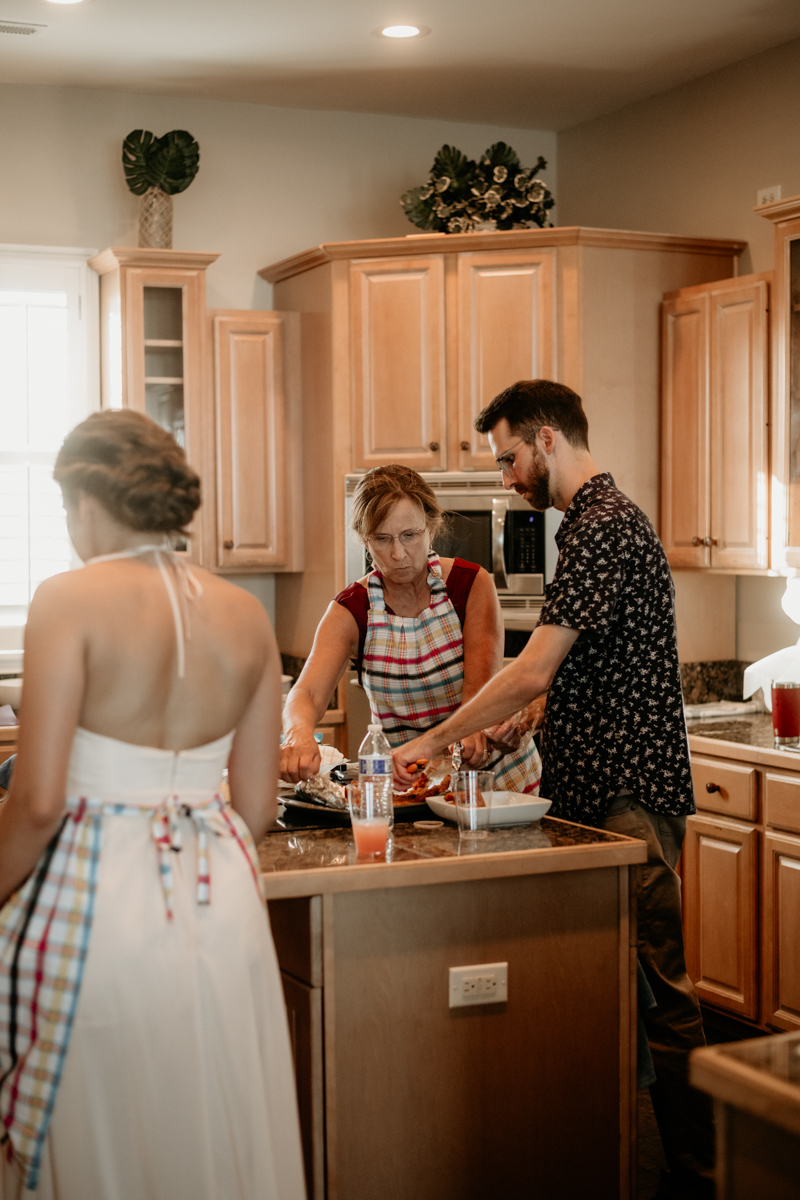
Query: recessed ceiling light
{"x": 66, "y": 1}
{"x": 404, "y": 31}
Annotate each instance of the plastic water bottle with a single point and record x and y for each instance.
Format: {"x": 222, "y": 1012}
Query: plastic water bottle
{"x": 375, "y": 760}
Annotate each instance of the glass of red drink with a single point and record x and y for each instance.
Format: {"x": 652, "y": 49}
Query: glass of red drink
{"x": 786, "y": 714}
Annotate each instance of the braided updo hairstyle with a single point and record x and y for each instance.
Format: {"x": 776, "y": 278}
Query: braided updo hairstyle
{"x": 134, "y": 468}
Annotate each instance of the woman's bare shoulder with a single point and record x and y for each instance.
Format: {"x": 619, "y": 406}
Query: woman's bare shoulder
{"x": 447, "y": 566}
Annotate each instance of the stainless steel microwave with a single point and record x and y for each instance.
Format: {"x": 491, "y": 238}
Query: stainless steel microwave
{"x": 489, "y": 526}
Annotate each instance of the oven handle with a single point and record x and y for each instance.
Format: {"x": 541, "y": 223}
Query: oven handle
{"x": 499, "y": 513}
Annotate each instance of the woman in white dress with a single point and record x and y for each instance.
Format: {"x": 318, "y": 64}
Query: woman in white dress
{"x": 144, "y": 1051}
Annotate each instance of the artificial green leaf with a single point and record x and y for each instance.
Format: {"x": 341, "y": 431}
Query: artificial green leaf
{"x": 501, "y": 155}
{"x": 418, "y": 211}
{"x": 175, "y": 161}
{"x": 136, "y": 150}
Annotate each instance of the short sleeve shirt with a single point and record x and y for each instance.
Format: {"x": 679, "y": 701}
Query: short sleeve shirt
{"x": 614, "y": 719}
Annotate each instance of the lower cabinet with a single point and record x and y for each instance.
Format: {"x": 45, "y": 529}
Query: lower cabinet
{"x": 741, "y": 890}
{"x": 781, "y": 930}
{"x": 720, "y": 880}
{"x": 304, "y": 1011}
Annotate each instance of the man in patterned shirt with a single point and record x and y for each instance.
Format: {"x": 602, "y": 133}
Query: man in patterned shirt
{"x": 615, "y": 751}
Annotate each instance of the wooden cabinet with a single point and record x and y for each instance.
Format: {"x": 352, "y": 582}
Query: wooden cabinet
{"x": 720, "y": 880}
{"x": 153, "y": 350}
{"x": 785, "y": 215}
{"x": 257, "y": 409}
{"x": 405, "y": 340}
{"x": 227, "y": 389}
{"x": 715, "y": 395}
{"x": 505, "y": 333}
{"x": 741, "y": 886}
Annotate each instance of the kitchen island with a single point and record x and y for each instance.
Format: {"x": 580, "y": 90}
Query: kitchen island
{"x": 403, "y": 1097}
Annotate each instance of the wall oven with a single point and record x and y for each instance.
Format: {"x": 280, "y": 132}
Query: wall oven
{"x": 494, "y": 528}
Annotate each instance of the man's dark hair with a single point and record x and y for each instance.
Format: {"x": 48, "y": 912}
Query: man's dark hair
{"x": 532, "y": 403}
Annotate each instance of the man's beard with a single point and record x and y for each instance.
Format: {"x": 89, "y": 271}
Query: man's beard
{"x": 537, "y": 485}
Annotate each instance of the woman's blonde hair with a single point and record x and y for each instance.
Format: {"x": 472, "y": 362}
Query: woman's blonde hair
{"x": 380, "y": 490}
{"x": 134, "y": 468}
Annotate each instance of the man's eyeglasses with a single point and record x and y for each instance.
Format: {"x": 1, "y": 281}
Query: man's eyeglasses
{"x": 506, "y": 461}
{"x": 407, "y": 539}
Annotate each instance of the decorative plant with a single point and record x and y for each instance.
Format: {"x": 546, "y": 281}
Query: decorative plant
{"x": 461, "y": 193}
{"x": 169, "y": 163}
{"x": 157, "y": 169}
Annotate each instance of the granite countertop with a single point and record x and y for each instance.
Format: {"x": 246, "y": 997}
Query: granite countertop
{"x": 743, "y": 739}
{"x": 307, "y": 862}
{"x": 761, "y": 1076}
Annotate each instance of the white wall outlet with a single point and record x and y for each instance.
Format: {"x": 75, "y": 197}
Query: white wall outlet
{"x": 769, "y": 195}
{"x": 485, "y": 983}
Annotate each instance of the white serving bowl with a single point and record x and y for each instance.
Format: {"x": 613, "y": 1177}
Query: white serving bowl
{"x": 507, "y": 808}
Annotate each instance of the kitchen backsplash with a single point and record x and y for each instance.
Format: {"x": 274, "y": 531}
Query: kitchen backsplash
{"x": 709, "y": 682}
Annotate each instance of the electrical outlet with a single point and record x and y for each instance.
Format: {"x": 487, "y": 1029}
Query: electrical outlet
{"x": 485, "y": 983}
{"x": 768, "y": 195}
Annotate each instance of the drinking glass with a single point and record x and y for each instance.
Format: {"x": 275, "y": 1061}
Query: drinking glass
{"x": 472, "y": 791}
{"x": 786, "y": 714}
{"x": 372, "y": 816}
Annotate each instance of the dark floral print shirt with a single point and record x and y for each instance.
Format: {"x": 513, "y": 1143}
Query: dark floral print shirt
{"x": 614, "y": 718}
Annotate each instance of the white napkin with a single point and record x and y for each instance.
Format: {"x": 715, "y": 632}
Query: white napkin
{"x": 781, "y": 667}
{"x": 330, "y": 756}
{"x": 7, "y": 715}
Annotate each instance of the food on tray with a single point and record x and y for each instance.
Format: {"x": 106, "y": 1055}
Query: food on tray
{"x": 421, "y": 789}
{"x": 413, "y": 767}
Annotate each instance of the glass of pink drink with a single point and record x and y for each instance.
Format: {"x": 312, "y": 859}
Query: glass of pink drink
{"x": 372, "y": 816}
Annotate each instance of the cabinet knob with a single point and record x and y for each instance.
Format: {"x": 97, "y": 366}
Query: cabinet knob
{"x": 709, "y": 541}
{"x": 228, "y": 545}
{"x": 465, "y": 446}
{"x": 434, "y": 446}
{"x": 713, "y": 787}
{"x": 696, "y": 541}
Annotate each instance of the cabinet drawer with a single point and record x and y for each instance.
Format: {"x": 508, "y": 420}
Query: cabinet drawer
{"x": 782, "y": 801}
{"x": 723, "y": 787}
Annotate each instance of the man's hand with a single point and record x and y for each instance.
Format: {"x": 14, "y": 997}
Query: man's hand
{"x": 300, "y": 757}
{"x": 508, "y": 735}
{"x": 475, "y": 751}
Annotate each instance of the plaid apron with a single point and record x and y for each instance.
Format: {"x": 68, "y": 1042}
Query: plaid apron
{"x": 413, "y": 674}
{"x": 45, "y": 929}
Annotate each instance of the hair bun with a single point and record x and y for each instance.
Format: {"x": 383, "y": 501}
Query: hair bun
{"x": 134, "y": 468}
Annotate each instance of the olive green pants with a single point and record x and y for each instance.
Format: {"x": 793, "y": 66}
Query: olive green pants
{"x": 675, "y": 1026}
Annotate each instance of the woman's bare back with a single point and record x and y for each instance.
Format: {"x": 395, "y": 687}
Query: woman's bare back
{"x": 132, "y": 690}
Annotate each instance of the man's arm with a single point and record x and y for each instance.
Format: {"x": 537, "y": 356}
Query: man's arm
{"x": 510, "y": 690}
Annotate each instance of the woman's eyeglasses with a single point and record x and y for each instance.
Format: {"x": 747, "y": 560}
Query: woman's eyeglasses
{"x": 407, "y": 539}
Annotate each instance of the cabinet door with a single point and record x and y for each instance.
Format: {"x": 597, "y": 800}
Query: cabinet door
{"x": 739, "y": 420}
{"x": 786, "y": 393}
{"x": 685, "y": 507}
{"x": 397, "y": 324}
{"x": 720, "y": 878}
{"x": 304, "y": 1012}
{"x": 505, "y": 333}
{"x": 250, "y": 402}
{"x": 781, "y": 931}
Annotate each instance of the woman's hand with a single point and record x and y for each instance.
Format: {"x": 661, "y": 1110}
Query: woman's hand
{"x": 300, "y": 756}
{"x": 404, "y": 756}
{"x": 475, "y": 751}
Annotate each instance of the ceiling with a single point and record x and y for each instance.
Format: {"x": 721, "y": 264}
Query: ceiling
{"x": 539, "y": 64}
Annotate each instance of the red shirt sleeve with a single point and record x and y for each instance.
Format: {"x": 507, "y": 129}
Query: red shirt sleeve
{"x": 355, "y": 599}
{"x": 459, "y": 585}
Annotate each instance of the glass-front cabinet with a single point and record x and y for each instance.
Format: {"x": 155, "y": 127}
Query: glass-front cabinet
{"x": 785, "y": 214}
{"x": 154, "y": 352}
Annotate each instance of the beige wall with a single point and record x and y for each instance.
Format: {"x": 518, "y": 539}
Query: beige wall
{"x": 272, "y": 181}
{"x": 691, "y": 160}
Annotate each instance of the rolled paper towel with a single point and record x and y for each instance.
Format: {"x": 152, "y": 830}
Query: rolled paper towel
{"x": 781, "y": 667}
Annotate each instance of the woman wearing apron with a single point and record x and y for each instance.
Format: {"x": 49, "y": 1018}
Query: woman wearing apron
{"x": 424, "y": 633}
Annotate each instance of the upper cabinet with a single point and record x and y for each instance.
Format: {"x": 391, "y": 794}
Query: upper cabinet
{"x": 227, "y": 388}
{"x": 785, "y": 214}
{"x": 405, "y": 340}
{"x": 715, "y": 417}
{"x": 153, "y": 349}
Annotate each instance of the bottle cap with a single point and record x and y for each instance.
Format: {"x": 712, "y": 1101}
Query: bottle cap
{"x": 374, "y": 728}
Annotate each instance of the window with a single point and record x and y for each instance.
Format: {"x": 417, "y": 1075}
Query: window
{"x": 48, "y": 382}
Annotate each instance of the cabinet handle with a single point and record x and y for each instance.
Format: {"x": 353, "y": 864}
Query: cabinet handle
{"x": 696, "y": 541}
{"x": 709, "y": 541}
{"x": 434, "y": 446}
{"x": 713, "y": 787}
{"x": 228, "y": 545}
{"x": 465, "y": 446}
